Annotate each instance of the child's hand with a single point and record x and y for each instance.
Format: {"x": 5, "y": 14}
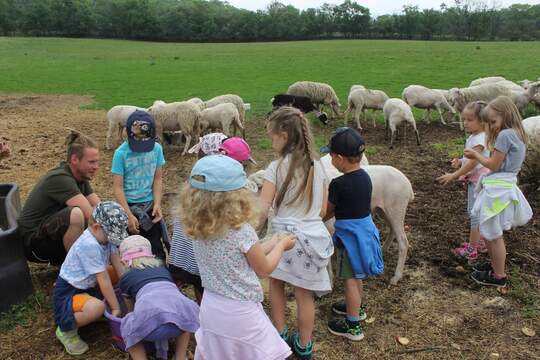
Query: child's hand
{"x": 156, "y": 213}
{"x": 133, "y": 224}
{"x": 288, "y": 242}
{"x": 445, "y": 179}
{"x": 116, "y": 312}
{"x": 456, "y": 163}
{"x": 470, "y": 154}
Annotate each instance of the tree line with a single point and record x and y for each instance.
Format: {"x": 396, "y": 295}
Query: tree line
{"x": 217, "y": 21}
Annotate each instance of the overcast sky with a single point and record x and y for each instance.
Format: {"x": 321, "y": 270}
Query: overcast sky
{"x": 376, "y": 7}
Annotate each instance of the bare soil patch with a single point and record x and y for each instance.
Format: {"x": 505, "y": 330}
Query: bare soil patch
{"x": 437, "y": 307}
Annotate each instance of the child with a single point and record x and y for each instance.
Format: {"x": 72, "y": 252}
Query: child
{"x": 356, "y": 237}
{"x": 238, "y": 149}
{"x": 74, "y": 297}
{"x": 137, "y": 179}
{"x": 217, "y": 212}
{"x": 296, "y": 186}
{"x": 500, "y": 204}
{"x": 182, "y": 264}
{"x": 161, "y": 311}
{"x": 470, "y": 171}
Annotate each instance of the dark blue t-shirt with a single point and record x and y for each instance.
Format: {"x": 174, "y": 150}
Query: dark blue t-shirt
{"x": 133, "y": 280}
{"x": 351, "y": 195}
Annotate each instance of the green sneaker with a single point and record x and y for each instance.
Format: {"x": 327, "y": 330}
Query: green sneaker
{"x": 72, "y": 342}
{"x": 341, "y": 309}
{"x": 345, "y": 328}
{"x": 301, "y": 353}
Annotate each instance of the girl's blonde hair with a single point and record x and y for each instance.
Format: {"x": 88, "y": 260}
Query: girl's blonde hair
{"x": 299, "y": 146}
{"x": 135, "y": 242}
{"x": 206, "y": 215}
{"x": 511, "y": 119}
{"x": 476, "y": 108}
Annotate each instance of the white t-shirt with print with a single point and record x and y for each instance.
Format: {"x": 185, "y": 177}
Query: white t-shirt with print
{"x": 475, "y": 140}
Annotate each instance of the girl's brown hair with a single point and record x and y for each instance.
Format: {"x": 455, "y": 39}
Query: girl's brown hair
{"x": 299, "y": 146}
{"x": 76, "y": 143}
{"x": 476, "y": 108}
{"x": 207, "y": 215}
{"x": 511, "y": 119}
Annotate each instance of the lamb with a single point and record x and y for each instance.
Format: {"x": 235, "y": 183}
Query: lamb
{"x": 302, "y": 103}
{"x": 117, "y": 117}
{"x": 424, "y": 98}
{"x": 395, "y": 112}
{"x": 360, "y": 99}
{"x": 221, "y": 116}
{"x": 391, "y": 193}
{"x": 319, "y": 93}
{"x": 181, "y": 116}
{"x": 229, "y": 98}
{"x": 486, "y": 80}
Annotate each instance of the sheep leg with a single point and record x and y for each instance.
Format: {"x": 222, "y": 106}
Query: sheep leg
{"x": 357, "y": 118}
{"x": 417, "y": 136}
{"x": 387, "y": 128}
{"x": 373, "y": 118}
{"x": 441, "y": 115}
{"x": 427, "y": 116}
{"x": 109, "y": 135}
{"x": 226, "y": 129}
{"x": 395, "y": 218}
{"x": 392, "y": 138}
{"x": 186, "y": 146}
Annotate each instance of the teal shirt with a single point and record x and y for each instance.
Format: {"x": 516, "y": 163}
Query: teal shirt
{"x": 138, "y": 170}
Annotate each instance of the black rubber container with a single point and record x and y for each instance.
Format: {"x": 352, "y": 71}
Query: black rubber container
{"x": 15, "y": 282}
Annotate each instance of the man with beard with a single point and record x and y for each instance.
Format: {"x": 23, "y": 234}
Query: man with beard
{"x": 57, "y": 209}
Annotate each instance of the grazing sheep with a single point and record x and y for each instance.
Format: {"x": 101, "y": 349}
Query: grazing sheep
{"x": 229, "y": 98}
{"x": 486, "y": 80}
{"x": 423, "y": 98}
{"x": 197, "y": 102}
{"x": 221, "y": 116}
{"x": 395, "y": 112}
{"x": 318, "y": 93}
{"x": 391, "y": 193}
{"x": 181, "y": 116}
{"x": 117, "y": 117}
{"x": 302, "y": 103}
{"x": 360, "y": 99}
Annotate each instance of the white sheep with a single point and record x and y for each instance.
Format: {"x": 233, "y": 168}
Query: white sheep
{"x": 424, "y": 98}
{"x": 395, "y": 112}
{"x": 229, "y": 98}
{"x": 486, "y": 80}
{"x": 197, "y": 102}
{"x": 531, "y": 125}
{"x": 391, "y": 193}
{"x": 181, "y": 116}
{"x": 360, "y": 99}
{"x": 117, "y": 117}
{"x": 221, "y": 116}
{"x": 318, "y": 93}
{"x": 486, "y": 92}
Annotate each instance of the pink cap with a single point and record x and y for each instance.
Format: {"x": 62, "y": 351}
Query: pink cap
{"x": 237, "y": 149}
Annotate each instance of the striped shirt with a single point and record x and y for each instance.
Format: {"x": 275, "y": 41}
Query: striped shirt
{"x": 181, "y": 254}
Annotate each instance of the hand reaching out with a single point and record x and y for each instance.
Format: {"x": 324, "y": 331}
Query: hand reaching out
{"x": 456, "y": 163}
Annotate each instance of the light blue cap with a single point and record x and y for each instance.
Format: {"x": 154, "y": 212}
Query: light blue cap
{"x": 220, "y": 173}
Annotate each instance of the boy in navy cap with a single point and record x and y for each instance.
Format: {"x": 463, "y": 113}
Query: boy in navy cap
{"x": 137, "y": 179}
{"x": 356, "y": 237}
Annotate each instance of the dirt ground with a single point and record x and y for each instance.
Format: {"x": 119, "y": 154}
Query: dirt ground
{"x": 436, "y": 306}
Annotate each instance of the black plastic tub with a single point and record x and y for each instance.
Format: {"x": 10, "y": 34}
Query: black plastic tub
{"x": 15, "y": 282}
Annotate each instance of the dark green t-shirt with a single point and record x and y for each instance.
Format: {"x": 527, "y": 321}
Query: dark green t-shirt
{"x": 49, "y": 196}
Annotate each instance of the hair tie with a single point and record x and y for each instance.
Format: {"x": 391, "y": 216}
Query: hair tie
{"x": 136, "y": 253}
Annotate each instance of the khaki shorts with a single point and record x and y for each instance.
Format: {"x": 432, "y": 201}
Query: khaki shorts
{"x": 344, "y": 268}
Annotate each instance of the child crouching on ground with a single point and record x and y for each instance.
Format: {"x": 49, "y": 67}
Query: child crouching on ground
{"x": 356, "y": 237}
{"x": 160, "y": 311}
{"x": 75, "y": 297}
{"x": 217, "y": 212}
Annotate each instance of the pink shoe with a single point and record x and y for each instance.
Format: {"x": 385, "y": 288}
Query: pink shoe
{"x": 466, "y": 251}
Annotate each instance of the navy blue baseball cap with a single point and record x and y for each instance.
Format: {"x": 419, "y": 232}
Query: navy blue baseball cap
{"x": 141, "y": 131}
{"x": 346, "y": 142}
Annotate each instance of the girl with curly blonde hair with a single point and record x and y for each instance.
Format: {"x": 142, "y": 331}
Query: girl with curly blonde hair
{"x": 217, "y": 212}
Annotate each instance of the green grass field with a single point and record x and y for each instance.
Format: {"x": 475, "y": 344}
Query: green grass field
{"x": 128, "y": 72}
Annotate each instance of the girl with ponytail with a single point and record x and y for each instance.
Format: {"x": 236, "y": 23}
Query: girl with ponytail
{"x": 296, "y": 186}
